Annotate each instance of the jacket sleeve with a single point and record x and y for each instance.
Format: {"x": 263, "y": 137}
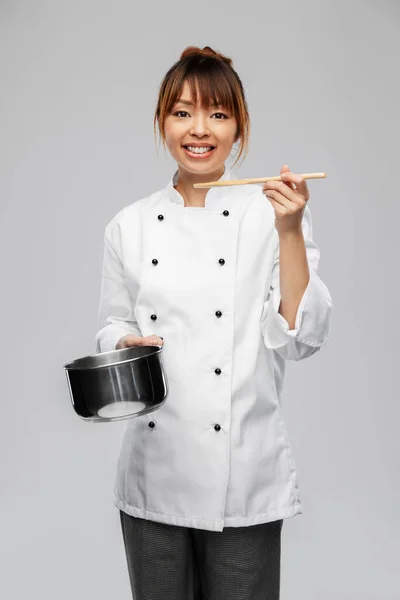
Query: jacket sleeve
{"x": 314, "y": 313}
{"x": 115, "y": 316}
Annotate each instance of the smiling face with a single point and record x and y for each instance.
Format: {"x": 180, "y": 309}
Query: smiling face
{"x": 194, "y": 126}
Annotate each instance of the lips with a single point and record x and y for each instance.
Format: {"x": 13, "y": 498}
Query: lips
{"x": 199, "y": 155}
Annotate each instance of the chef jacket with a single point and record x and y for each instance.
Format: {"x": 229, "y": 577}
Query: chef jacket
{"x": 206, "y": 279}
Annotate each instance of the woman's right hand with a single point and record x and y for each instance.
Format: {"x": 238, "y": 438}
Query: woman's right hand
{"x": 130, "y": 340}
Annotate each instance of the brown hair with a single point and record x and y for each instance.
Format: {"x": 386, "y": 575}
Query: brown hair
{"x": 217, "y": 80}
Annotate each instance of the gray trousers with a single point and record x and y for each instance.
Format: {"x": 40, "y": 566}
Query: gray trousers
{"x": 169, "y": 562}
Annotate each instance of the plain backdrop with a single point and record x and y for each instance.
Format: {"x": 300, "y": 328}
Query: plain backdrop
{"x": 79, "y": 81}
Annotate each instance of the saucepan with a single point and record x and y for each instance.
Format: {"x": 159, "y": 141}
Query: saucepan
{"x": 119, "y": 384}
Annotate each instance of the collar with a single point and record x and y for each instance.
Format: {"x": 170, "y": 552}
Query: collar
{"x": 213, "y": 196}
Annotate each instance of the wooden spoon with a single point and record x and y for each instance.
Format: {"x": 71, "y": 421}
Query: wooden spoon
{"x": 222, "y": 182}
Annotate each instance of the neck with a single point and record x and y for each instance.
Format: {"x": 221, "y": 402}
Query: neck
{"x": 193, "y": 196}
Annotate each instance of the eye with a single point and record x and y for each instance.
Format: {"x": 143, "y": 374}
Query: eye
{"x": 176, "y": 114}
{"x": 180, "y": 111}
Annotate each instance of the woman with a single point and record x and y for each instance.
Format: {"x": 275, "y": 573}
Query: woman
{"x": 225, "y": 280}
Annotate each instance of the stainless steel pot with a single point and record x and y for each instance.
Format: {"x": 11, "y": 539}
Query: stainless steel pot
{"x": 119, "y": 384}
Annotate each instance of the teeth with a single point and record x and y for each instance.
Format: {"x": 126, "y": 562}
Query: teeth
{"x": 199, "y": 150}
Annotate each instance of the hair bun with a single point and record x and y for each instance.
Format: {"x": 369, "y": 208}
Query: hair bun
{"x": 206, "y": 51}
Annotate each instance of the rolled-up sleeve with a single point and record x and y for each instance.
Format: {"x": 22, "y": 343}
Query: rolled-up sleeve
{"x": 115, "y": 315}
{"x": 314, "y": 314}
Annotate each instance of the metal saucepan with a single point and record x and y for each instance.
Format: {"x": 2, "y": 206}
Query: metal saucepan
{"x": 119, "y": 384}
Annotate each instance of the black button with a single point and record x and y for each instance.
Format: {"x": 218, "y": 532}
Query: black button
{"x": 217, "y": 427}
{"x": 151, "y": 424}
{"x": 160, "y": 217}
{"x": 153, "y": 317}
{"x": 154, "y": 261}
{"x": 221, "y": 261}
{"x": 218, "y": 371}
{"x": 218, "y": 313}
{"x": 225, "y": 213}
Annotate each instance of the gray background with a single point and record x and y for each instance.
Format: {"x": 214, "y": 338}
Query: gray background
{"x": 79, "y": 84}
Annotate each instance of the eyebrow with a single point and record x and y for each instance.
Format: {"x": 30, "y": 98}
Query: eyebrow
{"x": 188, "y": 103}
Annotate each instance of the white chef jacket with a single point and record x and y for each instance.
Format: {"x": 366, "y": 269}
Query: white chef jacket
{"x": 216, "y": 453}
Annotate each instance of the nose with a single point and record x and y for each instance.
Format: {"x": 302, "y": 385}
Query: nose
{"x": 199, "y": 126}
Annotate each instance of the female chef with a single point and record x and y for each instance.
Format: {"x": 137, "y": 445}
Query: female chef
{"x": 225, "y": 279}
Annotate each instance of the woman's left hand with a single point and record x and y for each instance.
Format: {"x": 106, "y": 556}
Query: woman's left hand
{"x": 288, "y": 198}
